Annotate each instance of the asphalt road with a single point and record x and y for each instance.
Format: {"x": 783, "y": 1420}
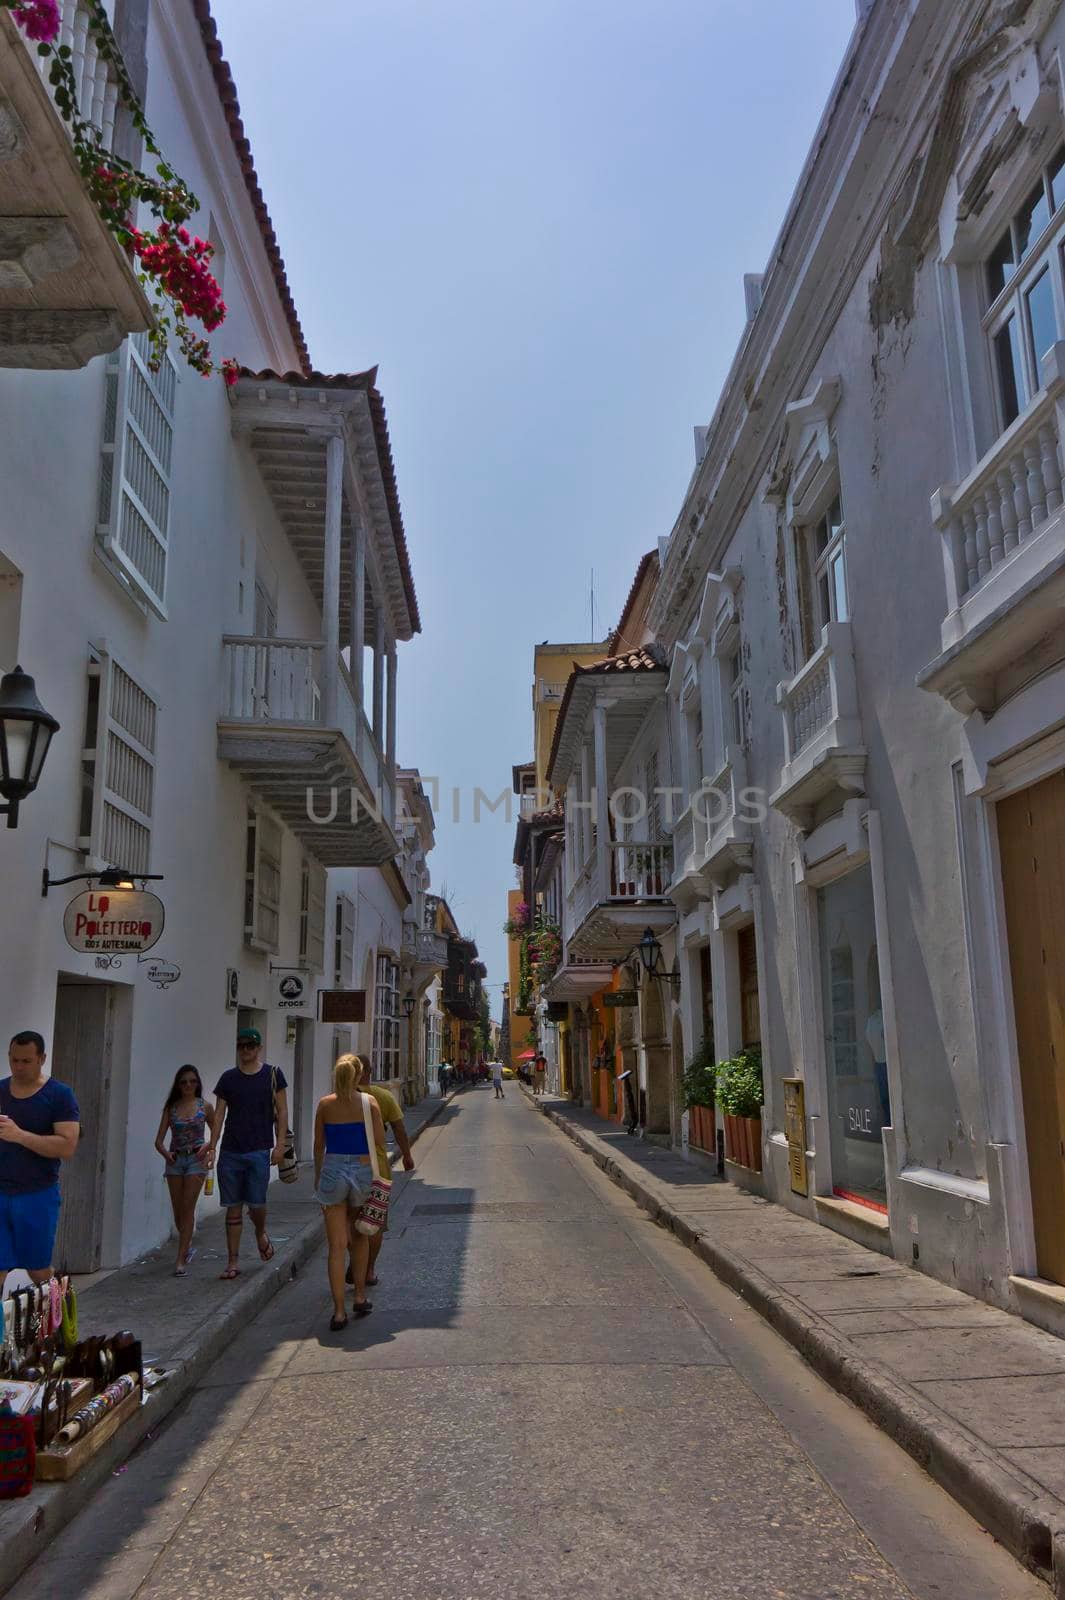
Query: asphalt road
{"x": 552, "y": 1398}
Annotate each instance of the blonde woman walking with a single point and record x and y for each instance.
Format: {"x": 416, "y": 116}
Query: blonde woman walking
{"x": 343, "y": 1175}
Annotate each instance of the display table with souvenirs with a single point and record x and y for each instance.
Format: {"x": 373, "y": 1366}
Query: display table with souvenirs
{"x": 61, "y": 1397}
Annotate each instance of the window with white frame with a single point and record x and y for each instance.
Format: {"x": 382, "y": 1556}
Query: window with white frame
{"x": 735, "y": 688}
{"x": 262, "y": 882}
{"x": 1026, "y": 290}
{"x": 386, "y": 1019}
{"x": 133, "y": 511}
{"x": 118, "y": 768}
{"x": 344, "y": 941}
{"x": 312, "y": 915}
{"x": 821, "y": 560}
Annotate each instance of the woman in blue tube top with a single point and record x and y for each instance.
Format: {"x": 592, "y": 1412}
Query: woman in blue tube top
{"x": 343, "y": 1175}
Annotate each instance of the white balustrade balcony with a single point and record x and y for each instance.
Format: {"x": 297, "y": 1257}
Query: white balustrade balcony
{"x": 616, "y": 895}
{"x": 1003, "y": 538}
{"x": 823, "y": 750}
{"x": 330, "y": 784}
{"x": 425, "y": 947}
{"x": 68, "y": 292}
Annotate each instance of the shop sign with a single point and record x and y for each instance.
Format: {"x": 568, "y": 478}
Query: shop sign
{"x": 342, "y": 1005}
{"x": 159, "y": 971}
{"x": 115, "y": 922}
{"x": 616, "y": 999}
{"x": 291, "y": 991}
{"x": 860, "y": 1109}
{"x": 795, "y": 1133}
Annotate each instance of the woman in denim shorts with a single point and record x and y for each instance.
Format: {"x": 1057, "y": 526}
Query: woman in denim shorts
{"x": 343, "y": 1175}
{"x": 188, "y": 1117}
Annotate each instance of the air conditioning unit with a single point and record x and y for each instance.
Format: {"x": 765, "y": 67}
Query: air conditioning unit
{"x": 232, "y": 988}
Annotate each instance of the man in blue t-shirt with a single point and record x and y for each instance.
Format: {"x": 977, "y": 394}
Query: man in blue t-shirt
{"x": 39, "y": 1128}
{"x": 252, "y": 1106}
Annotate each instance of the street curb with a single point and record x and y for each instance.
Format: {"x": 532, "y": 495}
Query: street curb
{"x": 1017, "y": 1511}
{"x": 31, "y": 1524}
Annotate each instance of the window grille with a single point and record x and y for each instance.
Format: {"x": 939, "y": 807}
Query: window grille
{"x": 118, "y": 768}
{"x": 312, "y": 915}
{"x": 344, "y": 941}
{"x": 386, "y": 1019}
{"x": 262, "y": 898}
{"x": 133, "y": 509}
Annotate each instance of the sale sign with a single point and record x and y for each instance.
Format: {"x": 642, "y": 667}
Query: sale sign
{"x": 113, "y": 921}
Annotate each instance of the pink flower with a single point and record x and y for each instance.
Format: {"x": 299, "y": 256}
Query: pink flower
{"x": 38, "y": 19}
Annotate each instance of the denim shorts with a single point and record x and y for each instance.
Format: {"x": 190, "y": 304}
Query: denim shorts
{"x": 243, "y": 1177}
{"x": 186, "y": 1164}
{"x": 344, "y": 1180}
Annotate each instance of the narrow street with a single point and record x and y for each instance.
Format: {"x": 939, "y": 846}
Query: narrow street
{"x": 551, "y": 1397}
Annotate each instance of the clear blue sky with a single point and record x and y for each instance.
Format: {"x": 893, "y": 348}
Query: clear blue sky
{"x": 535, "y": 217}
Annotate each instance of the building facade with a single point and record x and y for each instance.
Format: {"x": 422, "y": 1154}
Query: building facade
{"x": 210, "y": 595}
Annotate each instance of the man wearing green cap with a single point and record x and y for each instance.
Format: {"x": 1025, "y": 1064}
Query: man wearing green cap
{"x": 253, "y": 1110}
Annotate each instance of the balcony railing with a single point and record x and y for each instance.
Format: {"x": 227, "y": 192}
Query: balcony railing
{"x": 640, "y": 871}
{"x": 273, "y": 680}
{"x": 823, "y": 748}
{"x": 423, "y": 945}
{"x": 95, "y": 76}
{"x": 999, "y": 506}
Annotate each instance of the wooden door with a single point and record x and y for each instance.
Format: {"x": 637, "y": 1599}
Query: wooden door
{"x": 81, "y": 1057}
{"x": 1031, "y": 831}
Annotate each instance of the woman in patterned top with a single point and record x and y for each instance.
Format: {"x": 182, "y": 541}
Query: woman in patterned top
{"x": 189, "y": 1119}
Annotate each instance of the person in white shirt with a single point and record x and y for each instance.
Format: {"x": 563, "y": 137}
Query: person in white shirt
{"x": 497, "y": 1078}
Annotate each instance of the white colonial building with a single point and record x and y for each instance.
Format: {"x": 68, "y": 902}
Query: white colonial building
{"x": 209, "y": 588}
{"x": 863, "y": 602}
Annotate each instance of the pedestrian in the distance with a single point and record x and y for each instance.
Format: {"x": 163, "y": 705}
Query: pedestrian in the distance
{"x": 539, "y": 1074}
{"x": 443, "y": 1077}
{"x": 497, "y": 1078}
{"x": 343, "y": 1174}
{"x": 188, "y": 1119}
{"x": 40, "y": 1125}
{"x": 251, "y": 1120}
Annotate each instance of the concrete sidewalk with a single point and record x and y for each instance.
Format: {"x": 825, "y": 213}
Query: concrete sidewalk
{"x": 183, "y": 1324}
{"x": 975, "y": 1395}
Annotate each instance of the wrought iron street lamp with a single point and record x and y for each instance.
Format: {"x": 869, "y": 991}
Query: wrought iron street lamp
{"x": 408, "y": 1005}
{"x": 651, "y": 959}
{"x": 26, "y": 730}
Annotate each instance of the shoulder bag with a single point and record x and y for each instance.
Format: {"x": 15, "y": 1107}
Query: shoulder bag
{"x": 288, "y": 1168}
{"x": 374, "y": 1211}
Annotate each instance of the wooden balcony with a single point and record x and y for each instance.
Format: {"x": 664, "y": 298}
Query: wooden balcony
{"x": 1003, "y": 539}
{"x": 329, "y": 784}
{"x": 823, "y": 752}
{"x": 67, "y": 290}
{"x": 618, "y": 894}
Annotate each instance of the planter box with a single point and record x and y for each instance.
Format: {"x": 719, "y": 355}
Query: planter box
{"x": 743, "y": 1141}
{"x": 702, "y": 1128}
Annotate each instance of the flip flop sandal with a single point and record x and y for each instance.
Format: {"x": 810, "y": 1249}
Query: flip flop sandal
{"x": 371, "y": 1283}
{"x": 190, "y": 1256}
{"x": 268, "y": 1253}
{"x": 180, "y": 1272}
{"x": 337, "y": 1323}
{"x": 363, "y": 1310}
{"x": 230, "y": 1272}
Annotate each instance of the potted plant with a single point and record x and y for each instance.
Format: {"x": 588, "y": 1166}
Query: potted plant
{"x": 699, "y": 1083}
{"x": 740, "y": 1095}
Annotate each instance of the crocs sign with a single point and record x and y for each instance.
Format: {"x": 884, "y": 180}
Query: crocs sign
{"x": 113, "y": 922}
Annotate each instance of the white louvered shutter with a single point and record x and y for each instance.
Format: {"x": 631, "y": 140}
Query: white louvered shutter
{"x": 133, "y": 515}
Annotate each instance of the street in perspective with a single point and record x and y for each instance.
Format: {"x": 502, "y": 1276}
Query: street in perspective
{"x": 532, "y": 779}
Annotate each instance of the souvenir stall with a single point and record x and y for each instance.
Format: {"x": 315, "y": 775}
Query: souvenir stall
{"x": 61, "y": 1397}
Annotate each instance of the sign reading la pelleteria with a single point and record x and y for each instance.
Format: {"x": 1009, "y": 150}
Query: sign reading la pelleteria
{"x": 115, "y": 922}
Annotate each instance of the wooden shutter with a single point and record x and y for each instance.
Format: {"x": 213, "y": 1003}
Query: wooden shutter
{"x": 133, "y": 512}
{"x": 262, "y": 916}
{"x": 312, "y": 915}
{"x": 122, "y": 763}
{"x": 749, "y": 1015}
{"x": 345, "y": 941}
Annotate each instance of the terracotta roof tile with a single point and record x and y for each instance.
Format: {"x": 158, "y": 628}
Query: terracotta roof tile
{"x": 227, "y": 94}
{"x": 649, "y": 560}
